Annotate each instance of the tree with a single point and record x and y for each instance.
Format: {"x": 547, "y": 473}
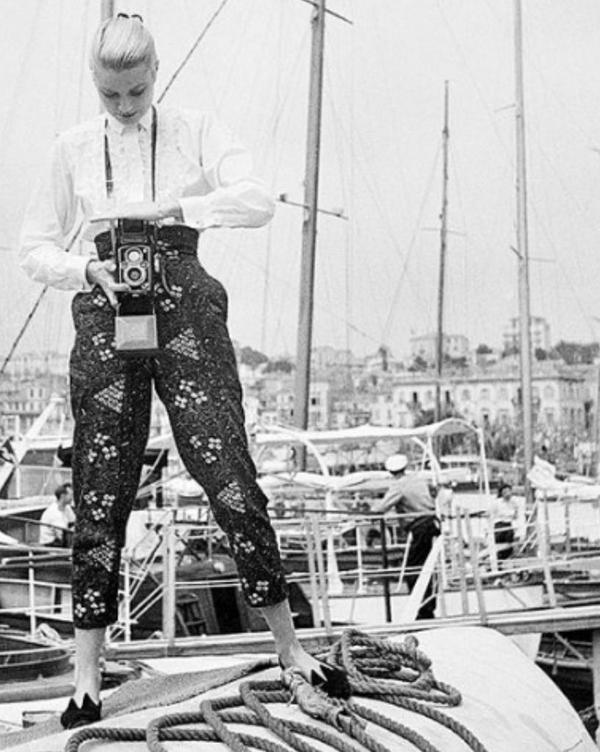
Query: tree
{"x": 418, "y": 364}
{"x": 253, "y": 358}
{"x": 540, "y": 354}
{"x": 575, "y": 352}
{"x": 282, "y": 365}
{"x": 483, "y": 349}
{"x": 460, "y": 362}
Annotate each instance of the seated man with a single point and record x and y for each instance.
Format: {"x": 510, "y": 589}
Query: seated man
{"x": 58, "y": 518}
{"x": 505, "y": 513}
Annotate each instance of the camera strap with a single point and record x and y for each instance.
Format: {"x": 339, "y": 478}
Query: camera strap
{"x": 108, "y": 172}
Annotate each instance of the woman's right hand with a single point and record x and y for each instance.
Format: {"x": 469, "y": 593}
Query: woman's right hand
{"x": 102, "y": 273}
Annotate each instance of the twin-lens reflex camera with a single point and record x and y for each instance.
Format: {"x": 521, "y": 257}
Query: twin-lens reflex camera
{"x": 136, "y": 266}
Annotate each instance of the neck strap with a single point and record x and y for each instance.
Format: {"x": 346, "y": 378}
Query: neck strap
{"x": 108, "y": 173}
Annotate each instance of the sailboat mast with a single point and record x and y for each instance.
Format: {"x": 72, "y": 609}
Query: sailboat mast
{"x": 522, "y": 248}
{"x": 309, "y": 226}
{"x": 443, "y": 238}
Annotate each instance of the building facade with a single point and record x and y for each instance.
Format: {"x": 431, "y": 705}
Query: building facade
{"x": 539, "y": 332}
{"x": 493, "y": 395}
{"x": 424, "y": 346}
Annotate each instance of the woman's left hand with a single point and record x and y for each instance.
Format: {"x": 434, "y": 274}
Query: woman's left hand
{"x": 150, "y": 211}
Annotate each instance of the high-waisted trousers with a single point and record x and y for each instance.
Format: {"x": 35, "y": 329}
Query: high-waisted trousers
{"x": 195, "y": 376}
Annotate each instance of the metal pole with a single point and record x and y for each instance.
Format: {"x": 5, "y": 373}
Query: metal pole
{"x": 523, "y": 252}
{"x": 443, "y": 236}
{"x": 31, "y": 591}
{"x": 168, "y": 595}
{"x": 127, "y": 597}
{"x": 322, "y": 580}
{"x": 312, "y": 573}
{"x": 475, "y": 570}
{"x": 384, "y": 566}
{"x": 309, "y": 227}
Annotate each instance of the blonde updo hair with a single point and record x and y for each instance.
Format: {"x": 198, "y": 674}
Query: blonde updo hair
{"x": 122, "y": 42}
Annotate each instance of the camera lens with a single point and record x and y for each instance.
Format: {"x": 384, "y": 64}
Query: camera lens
{"x": 134, "y": 255}
{"x": 134, "y": 275}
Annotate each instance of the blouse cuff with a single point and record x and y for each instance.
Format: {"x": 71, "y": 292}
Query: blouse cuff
{"x": 79, "y": 268}
{"x": 195, "y": 212}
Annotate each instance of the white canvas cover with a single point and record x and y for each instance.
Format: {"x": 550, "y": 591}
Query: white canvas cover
{"x": 508, "y": 702}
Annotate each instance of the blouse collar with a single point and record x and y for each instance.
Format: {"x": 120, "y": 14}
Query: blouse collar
{"x": 144, "y": 122}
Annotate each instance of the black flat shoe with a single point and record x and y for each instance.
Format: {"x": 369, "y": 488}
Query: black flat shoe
{"x": 334, "y": 681}
{"x": 75, "y": 716}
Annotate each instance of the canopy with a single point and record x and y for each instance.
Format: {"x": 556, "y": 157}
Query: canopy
{"x": 366, "y": 432}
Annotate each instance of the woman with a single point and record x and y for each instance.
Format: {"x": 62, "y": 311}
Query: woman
{"x": 180, "y": 170}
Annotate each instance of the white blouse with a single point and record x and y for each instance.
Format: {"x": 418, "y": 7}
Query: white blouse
{"x": 198, "y": 163}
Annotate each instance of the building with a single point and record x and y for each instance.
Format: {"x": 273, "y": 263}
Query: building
{"x": 22, "y": 401}
{"x": 424, "y": 346}
{"x": 386, "y": 410}
{"x": 328, "y": 357}
{"x": 493, "y": 395}
{"x": 539, "y": 332}
{"x": 38, "y": 364}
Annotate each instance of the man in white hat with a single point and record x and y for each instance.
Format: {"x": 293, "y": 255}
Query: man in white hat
{"x": 409, "y": 494}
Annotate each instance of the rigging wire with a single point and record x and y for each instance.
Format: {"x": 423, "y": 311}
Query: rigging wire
{"x": 18, "y": 79}
{"x": 265, "y": 308}
{"x": 565, "y": 109}
{"x": 457, "y": 191}
{"x": 476, "y": 85}
{"x": 330, "y": 303}
{"x": 22, "y": 330}
{"x": 286, "y": 284}
{"x": 350, "y": 248}
{"x": 201, "y": 36}
{"x": 411, "y": 245}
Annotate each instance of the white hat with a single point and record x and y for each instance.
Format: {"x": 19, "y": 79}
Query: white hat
{"x": 396, "y": 462}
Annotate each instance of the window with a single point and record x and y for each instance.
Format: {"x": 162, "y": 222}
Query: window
{"x": 548, "y": 392}
{"x": 466, "y": 395}
{"x": 503, "y": 393}
{"x": 485, "y": 393}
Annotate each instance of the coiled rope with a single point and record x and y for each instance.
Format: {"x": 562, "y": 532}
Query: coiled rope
{"x": 396, "y": 673}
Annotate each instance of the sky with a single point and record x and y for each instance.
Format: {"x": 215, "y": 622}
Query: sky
{"x": 381, "y": 160}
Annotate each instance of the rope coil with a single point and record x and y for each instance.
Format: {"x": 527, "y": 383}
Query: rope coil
{"x": 395, "y": 673}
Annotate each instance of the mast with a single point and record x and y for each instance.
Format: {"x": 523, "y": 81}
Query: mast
{"x": 522, "y": 250}
{"x": 443, "y": 236}
{"x": 309, "y": 227}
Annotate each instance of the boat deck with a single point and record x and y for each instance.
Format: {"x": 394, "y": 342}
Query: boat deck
{"x": 507, "y": 702}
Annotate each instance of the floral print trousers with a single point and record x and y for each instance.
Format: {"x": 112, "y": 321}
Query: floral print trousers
{"x": 195, "y": 376}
